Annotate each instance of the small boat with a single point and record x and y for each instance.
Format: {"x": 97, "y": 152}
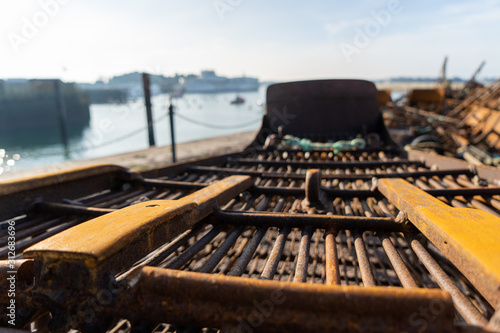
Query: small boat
{"x": 178, "y": 93}
{"x": 238, "y": 100}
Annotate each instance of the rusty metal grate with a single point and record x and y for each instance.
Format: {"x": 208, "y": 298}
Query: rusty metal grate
{"x": 197, "y": 244}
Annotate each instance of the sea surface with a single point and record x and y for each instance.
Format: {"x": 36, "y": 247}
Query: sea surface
{"x": 121, "y": 128}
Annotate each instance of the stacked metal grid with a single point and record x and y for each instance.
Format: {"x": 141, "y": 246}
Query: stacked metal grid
{"x": 273, "y": 238}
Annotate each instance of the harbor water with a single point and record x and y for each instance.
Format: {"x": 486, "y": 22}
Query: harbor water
{"x": 121, "y": 128}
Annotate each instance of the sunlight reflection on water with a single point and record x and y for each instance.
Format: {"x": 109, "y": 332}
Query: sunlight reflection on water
{"x": 7, "y": 162}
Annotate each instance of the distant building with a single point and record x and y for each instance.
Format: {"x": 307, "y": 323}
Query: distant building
{"x": 209, "y": 82}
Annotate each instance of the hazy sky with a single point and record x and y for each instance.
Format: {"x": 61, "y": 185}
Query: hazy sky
{"x": 83, "y": 40}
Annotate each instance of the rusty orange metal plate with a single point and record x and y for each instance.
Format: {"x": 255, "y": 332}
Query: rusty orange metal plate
{"x": 232, "y": 302}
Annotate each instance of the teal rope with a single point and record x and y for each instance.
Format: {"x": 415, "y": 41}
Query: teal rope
{"x": 290, "y": 141}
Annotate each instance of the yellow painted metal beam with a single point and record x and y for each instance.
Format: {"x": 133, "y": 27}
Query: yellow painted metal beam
{"x": 470, "y": 238}
{"x": 121, "y": 237}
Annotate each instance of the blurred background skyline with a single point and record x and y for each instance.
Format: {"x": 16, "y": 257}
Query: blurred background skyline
{"x": 84, "y": 41}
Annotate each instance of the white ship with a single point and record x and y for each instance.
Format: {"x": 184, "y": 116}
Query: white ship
{"x": 209, "y": 82}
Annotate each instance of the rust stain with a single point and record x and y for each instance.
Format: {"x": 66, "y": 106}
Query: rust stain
{"x": 218, "y": 300}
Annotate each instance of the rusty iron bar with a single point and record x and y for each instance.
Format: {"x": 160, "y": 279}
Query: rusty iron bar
{"x": 275, "y": 255}
{"x": 361, "y": 255}
{"x": 365, "y": 268}
{"x": 161, "y": 295}
{"x": 22, "y": 222}
{"x": 449, "y": 199}
{"x": 331, "y": 257}
{"x": 343, "y": 193}
{"x": 479, "y": 205}
{"x": 325, "y": 150}
{"x": 355, "y": 176}
{"x": 182, "y": 259}
{"x": 173, "y": 184}
{"x": 329, "y": 165}
{"x": 463, "y": 305}
{"x": 464, "y": 191}
{"x": 156, "y": 257}
{"x": 70, "y": 209}
{"x": 216, "y": 257}
{"x": 250, "y": 248}
{"x": 246, "y": 256}
{"x": 397, "y": 262}
{"x": 371, "y": 193}
{"x": 110, "y": 199}
{"x": 303, "y": 255}
{"x": 302, "y": 220}
{"x": 301, "y": 192}
{"x": 121, "y": 200}
{"x": 99, "y": 198}
{"x": 24, "y": 230}
{"x": 476, "y": 203}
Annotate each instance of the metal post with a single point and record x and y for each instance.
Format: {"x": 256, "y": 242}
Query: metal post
{"x": 61, "y": 113}
{"x": 171, "y": 114}
{"x": 147, "y": 101}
